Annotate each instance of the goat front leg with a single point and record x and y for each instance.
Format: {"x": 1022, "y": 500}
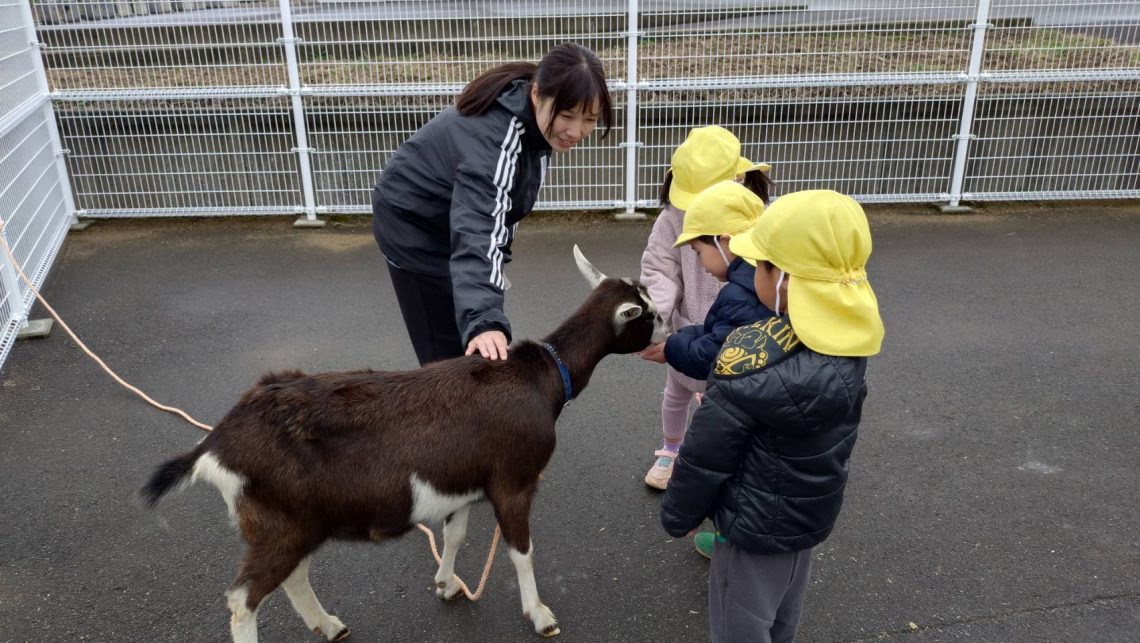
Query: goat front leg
{"x": 300, "y": 593}
{"x": 454, "y": 532}
{"x": 539, "y": 614}
{"x": 513, "y": 512}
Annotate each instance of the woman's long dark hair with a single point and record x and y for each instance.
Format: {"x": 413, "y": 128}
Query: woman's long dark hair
{"x": 755, "y": 180}
{"x": 569, "y": 73}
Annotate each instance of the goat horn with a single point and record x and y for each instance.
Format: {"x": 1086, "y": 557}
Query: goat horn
{"x": 593, "y": 275}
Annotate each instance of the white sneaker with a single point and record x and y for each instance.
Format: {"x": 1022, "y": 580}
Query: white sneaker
{"x": 662, "y": 469}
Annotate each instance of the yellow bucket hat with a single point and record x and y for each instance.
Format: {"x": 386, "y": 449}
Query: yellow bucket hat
{"x": 709, "y": 155}
{"x": 821, "y": 238}
{"x": 725, "y": 208}
{"x": 744, "y": 166}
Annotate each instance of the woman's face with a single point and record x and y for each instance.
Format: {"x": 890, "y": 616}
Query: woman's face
{"x": 568, "y": 126}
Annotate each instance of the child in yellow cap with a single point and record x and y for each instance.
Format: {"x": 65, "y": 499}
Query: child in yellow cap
{"x": 680, "y": 288}
{"x": 766, "y": 454}
{"x": 715, "y": 215}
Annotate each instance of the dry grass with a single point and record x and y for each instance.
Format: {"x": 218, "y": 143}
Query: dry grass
{"x": 784, "y": 54}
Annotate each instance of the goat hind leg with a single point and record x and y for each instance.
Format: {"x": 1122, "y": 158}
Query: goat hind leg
{"x": 301, "y": 595}
{"x": 262, "y": 570}
{"x": 454, "y": 531}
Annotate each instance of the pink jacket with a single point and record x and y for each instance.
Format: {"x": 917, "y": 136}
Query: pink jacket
{"x": 680, "y": 288}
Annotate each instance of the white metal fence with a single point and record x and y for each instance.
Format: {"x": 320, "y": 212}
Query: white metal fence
{"x": 35, "y": 200}
{"x": 272, "y": 106}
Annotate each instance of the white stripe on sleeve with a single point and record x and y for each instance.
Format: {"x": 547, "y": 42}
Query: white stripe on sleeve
{"x": 504, "y": 181}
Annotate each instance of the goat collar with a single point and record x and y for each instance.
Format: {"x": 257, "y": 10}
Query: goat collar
{"x": 562, "y": 370}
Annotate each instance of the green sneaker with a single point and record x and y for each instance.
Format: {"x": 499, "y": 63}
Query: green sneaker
{"x": 703, "y": 543}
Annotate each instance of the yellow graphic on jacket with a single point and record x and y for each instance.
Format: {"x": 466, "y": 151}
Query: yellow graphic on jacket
{"x": 751, "y": 348}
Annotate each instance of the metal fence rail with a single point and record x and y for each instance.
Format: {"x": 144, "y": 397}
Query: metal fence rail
{"x": 279, "y": 106}
{"x": 35, "y": 200}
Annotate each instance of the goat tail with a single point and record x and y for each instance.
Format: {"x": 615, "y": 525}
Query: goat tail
{"x": 168, "y": 475}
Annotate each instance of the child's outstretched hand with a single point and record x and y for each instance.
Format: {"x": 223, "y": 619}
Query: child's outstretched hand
{"x": 655, "y": 353}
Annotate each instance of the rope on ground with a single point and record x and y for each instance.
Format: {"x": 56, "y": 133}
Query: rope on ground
{"x": 207, "y": 427}
{"x": 79, "y": 342}
{"x": 486, "y": 567}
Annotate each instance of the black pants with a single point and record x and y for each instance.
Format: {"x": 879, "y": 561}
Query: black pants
{"x": 429, "y": 314}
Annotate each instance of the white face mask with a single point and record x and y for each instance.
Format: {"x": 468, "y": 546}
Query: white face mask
{"x": 779, "y": 282}
{"x": 718, "y": 249}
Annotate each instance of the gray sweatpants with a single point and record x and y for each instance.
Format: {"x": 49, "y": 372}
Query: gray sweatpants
{"x": 756, "y": 597}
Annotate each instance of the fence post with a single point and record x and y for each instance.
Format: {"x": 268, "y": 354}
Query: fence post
{"x": 10, "y": 285}
{"x": 965, "y": 129}
{"x": 631, "y": 143}
{"x": 289, "y": 40}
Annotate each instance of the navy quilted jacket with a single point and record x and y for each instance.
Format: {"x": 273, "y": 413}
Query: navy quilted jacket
{"x": 692, "y": 349}
{"x": 766, "y": 454}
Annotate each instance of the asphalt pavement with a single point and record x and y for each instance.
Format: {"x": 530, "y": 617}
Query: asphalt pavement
{"x": 993, "y": 493}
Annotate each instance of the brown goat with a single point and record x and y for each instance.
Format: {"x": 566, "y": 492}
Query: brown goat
{"x": 366, "y": 455}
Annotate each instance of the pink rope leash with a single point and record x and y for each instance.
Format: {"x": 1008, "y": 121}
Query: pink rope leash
{"x": 486, "y": 567}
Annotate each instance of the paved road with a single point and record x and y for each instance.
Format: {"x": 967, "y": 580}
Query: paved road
{"x": 992, "y": 497}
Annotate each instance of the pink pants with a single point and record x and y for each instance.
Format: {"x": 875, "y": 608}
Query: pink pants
{"x": 675, "y": 408}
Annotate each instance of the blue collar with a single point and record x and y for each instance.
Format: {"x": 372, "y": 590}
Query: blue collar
{"x": 562, "y": 370}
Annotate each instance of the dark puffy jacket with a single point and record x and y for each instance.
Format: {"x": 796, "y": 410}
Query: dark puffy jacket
{"x": 448, "y": 199}
{"x": 692, "y": 349}
{"x": 766, "y": 454}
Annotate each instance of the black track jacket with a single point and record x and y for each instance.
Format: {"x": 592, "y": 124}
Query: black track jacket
{"x": 449, "y": 198}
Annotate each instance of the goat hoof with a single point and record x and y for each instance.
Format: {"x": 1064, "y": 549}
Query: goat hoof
{"x": 445, "y": 595}
{"x": 545, "y": 624}
{"x": 332, "y": 625}
{"x": 448, "y": 590}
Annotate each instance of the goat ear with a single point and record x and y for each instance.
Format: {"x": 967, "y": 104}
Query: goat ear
{"x": 628, "y": 312}
{"x": 593, "y": 275}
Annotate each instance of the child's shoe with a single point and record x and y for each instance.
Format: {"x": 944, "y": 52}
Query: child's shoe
{"x": 662, "y": 469}
{"x": 703, "y": 542}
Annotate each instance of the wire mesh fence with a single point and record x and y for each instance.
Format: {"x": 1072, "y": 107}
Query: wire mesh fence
{"x": 35, "y": 204}
{"x": 228, "y": 107}
{"x": 278, "y": 106}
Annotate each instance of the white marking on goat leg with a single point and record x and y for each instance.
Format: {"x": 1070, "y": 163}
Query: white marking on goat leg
{"x": 454, "y": 531}
{"x": 301, "y": 595}
{"x": 229, "y": 483}
{"x": 243, "y": 622}
{"x": 429, "y": 505}
{"x": 539, "y": 614}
